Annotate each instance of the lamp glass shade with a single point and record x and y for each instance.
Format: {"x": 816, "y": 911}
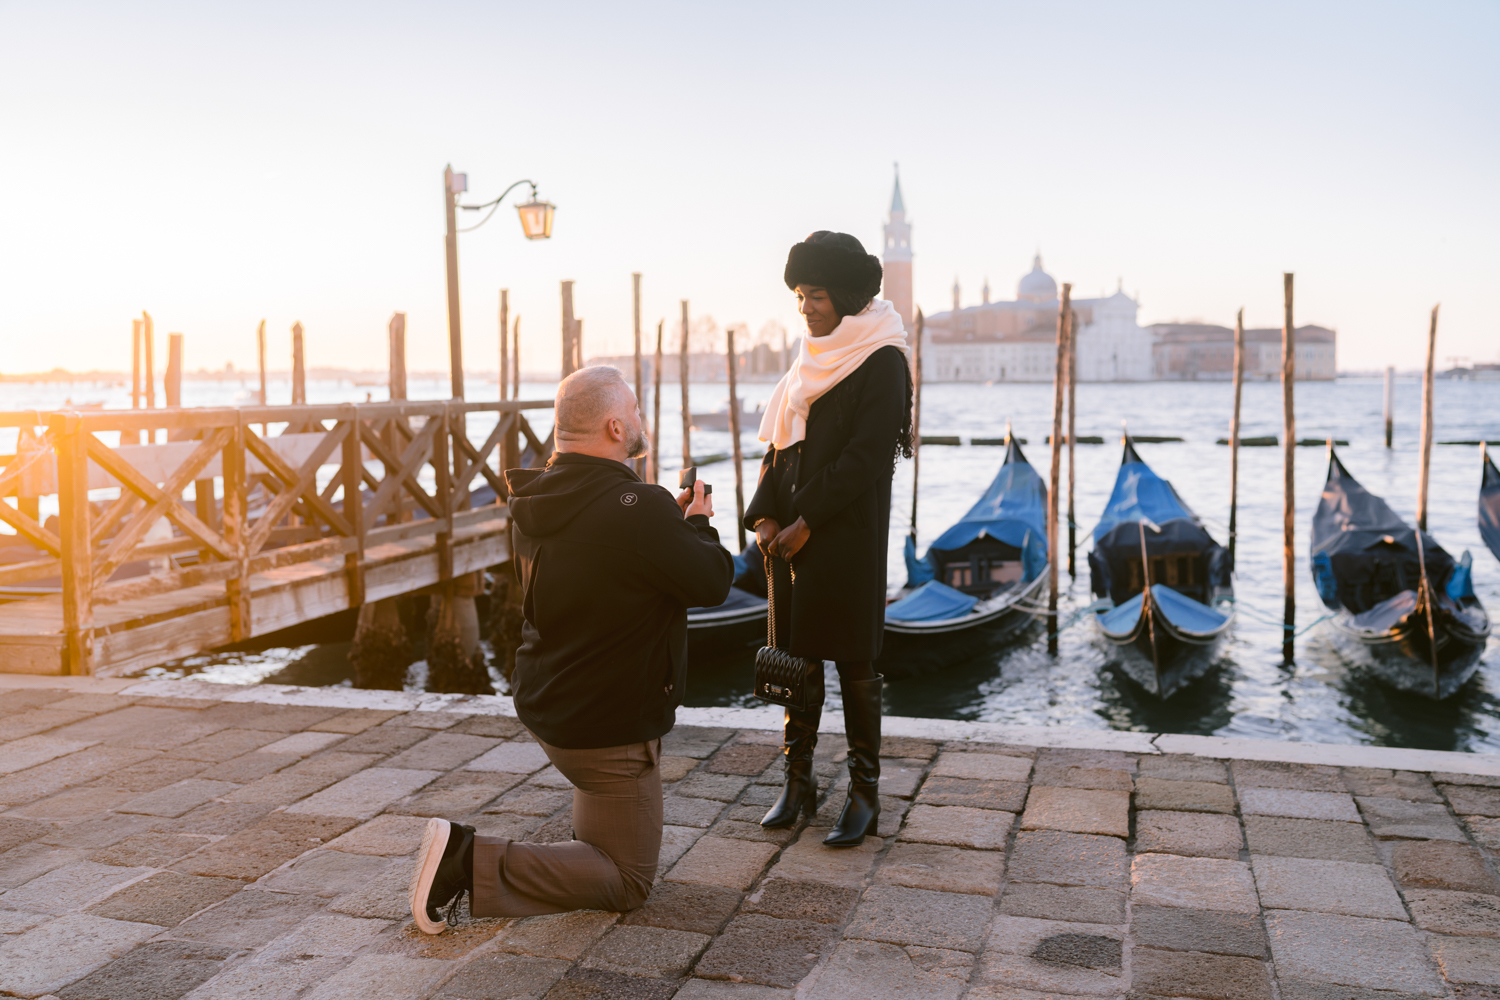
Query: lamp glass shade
{"x": 536, "y": 219}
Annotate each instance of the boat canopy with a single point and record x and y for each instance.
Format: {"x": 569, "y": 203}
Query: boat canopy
{"x": 1489, "y": 507}
{"x": 933, "y": 601}
{"x": 1013, "y": 510}
{"x": 1185, "y": 614}
{"x": 1363, "y": 554}
{"x": 1140, "y": 493}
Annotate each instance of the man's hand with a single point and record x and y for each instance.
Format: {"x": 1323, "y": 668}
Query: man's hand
{"x": 791, "y": 539}
{"x": 696, "y": 501}
{"x": 766, "y": 532}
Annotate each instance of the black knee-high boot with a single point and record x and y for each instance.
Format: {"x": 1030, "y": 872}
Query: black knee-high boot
{"x": 861, "y": 813}
{"x": 799, "y": 737}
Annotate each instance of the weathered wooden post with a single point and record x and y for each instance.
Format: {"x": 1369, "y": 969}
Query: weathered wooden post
{"x": 1072, "y": 433}
{"x": 515, "y": 350}
{"x": 640, "y": 375}
{"x": 569, "y": 352}
{"x": 687, "y": 413}
{"x": 656, "y": 406}
{"x": 1288, "y": 473}
{"x": 77, "y": 557}
{"x": 1234, "y": 433}
{"x": 455, "y": 661}
{"x": 260, "y": 358}
{"x": 135, "y": 364}
{"x": 1390, "y": 403}
{"x": 452, "y": 184}
{"x": 1059, "y": 374}
{"x": 236, "y": 534}
{"x": 174, "y": 370}
{"x": 148, "y": 344}
{"x": 504, "y": 347}
{"x": 299, "y": 367}
{"x": 577, "y": 344}
{"x": 734, "y": 436}
{"x": 1426, "y": 465}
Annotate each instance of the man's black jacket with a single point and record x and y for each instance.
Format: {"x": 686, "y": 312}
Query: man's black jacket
{"x": 610, "y": 567}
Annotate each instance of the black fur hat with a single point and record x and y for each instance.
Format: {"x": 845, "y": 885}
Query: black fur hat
{"x": 837, "y": 262}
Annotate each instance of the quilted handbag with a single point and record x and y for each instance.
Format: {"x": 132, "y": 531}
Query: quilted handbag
{"x": 780, "y": 677}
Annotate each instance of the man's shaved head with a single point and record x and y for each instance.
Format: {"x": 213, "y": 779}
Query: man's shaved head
{"x": 589, "y": 399}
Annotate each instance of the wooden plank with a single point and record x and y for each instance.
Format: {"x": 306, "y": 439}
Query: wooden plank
{"x": 30, "y": 530}
{"x": 444, "y": 491}
{"x": 301, "y": 482}
{"x": 32, "y": 569}
{"x": 77, "y": 561}
{"x": 354, "y": 508}
{"x": 32, "y": 654}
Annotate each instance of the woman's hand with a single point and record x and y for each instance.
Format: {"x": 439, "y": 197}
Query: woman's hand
{"x": 766, "y": 532}
{"x": 791, "y": 539}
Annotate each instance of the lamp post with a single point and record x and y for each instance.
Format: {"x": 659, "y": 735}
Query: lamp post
{"x": 536, "y": 224}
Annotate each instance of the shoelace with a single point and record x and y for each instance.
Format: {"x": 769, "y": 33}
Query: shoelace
{"x": 452, "y": 917}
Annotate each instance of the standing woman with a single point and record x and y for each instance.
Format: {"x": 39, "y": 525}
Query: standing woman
{"x": 835, "y": 423}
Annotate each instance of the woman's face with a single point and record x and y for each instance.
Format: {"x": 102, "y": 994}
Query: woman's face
{"x": 817, "y": 308}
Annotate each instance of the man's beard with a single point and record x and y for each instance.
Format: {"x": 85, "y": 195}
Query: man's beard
{"x": 639, "y": 445}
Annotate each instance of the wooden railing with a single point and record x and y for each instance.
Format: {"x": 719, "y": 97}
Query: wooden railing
{"x": 259, "y": 503}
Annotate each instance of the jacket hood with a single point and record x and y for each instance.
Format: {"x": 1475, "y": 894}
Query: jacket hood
{"x": 544, "y": 501}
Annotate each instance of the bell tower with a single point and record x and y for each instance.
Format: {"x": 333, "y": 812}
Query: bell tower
{"x": 896, "y": 259}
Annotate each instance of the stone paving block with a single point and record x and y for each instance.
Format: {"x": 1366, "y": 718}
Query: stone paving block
{"x": 655, "y": 952}
{"x": 443, "y": 752}
{"x": 1183, "y": 796}
{"x": 16, "y": 700}
{"x": 17, "y": 830}
{"x": 265, "y": 845}
{"x": 1326, "y": 887}
{"x": 1468, "y": 959}
{"x": 752, "y": 830}
{"x": 430, "y": 720}
{"x": 30, "y": 751}
{"x": 1441, "y": 864}
{"x": 748, "y": 759}
{"x": 899, "y": 915}
{"x": 711, "y": 989}
{"x": 550, "y": 777}
{"x": 468, "y": 936}
{"x": 580, "y": 983}
{"x": 680, "y": 810}
{"x": 1076, "y": 757}
{"x": 1196, "y": 974}
{"x": 502, "y": 727}
{"x": 226, "y": 744}
{"x": 242, "y": 769}
{"x": 91, "y": 702}
{"x": 943, "y": 869}
{"x": 257, "y": 980}
{"x": 675, "y": 841}
{"x": 733, "y": 864}
{"x": 1070, "y": 859}
{"x": 385, "y": 739}
{"x": 174, "y": 800}
{"x": 324, "y": 935}
{"x": 366, "y": 793}
{"x": 707, "y": 785}
{"x": 38, "y": 720}
{"x": 1052, "y": 956}
{"x": 909, "y": 747}
{"x": 166, "y": 898}
{"x": 1071, "y": 776}
{"x": 958, "y": 826}
{"x": 248, "y": 919}
{"x": 71, "y": 887}
{"x": 382, "y": 977}
{"x": 276, "y": 790}
{"x": 1461, "y": 778}
{"x": 74, "y": 804}
{"x": 675, "y": 768}
{"x": 529, "y": 800}
{"x": 1183, "y": 767}
{"x": 1077, "y": 810}
{"x": 556, "y": 830}
{"x": 1206, "y": 835}
{"x": 685, "y": 907}
{"x": 1309, "y": 838}
{"x": 1392, "y": 818}
{"x": 355, "y": 720}
{"x": 566, "y": 936}
{"x": 100, "y": 830}
{"x": 20, "y": 865}
{"x": 693, "y": 741}
{"x": 1212, "y": 931}
{"x": 326, "y": 874}
{"x": 1350, "y": 951}
{"x": 65, "y": 772}
{"x": 384, "y": 835}
{"x": 1007, "y": 796}
{"x": 332, "y": 764}
{"x": 1383, "y": 782}
{"x": 1078, "y": 903}
{"x": 982, "y": 766}
{"x": 512, "y": 758}
{"x": 455, "y": 800}
{"x": 755, "y": 948}
{"x": 49, "y": 957}
{"x": 1298, "y": 804}
{"x": 215, "y": 819}
{"x": 503, "y": 977}
{"x": 1192, "y": 883}
{"x": 155, "y": 849}
{"x": 156, "y": 969}
{"x": 899, "y": 778}
{"x": 302, "y": 744}
{"x": 892, "y": 811}
{"x": 281, "y": 718}
{"x": 1281, "y": 774}
{"x": 1473, "y": 800}
{"x": 15, "y": 922}
{"x": 1450, "y": 912}
{"x": 140, "y": 726}
{"x": 384, "y": 896}
{"x": 859, "y": 970}
{"x": 1486, "y": 832}
{"x": 797, "y": 900}
{"x": 809, "y": 860}
{"x": 766, "y": 795}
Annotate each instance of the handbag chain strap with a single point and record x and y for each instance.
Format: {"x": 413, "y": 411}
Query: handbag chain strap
{"x": 770, "y": 601}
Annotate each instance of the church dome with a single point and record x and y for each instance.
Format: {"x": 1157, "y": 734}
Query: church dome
{"x": 1037, "y": 286}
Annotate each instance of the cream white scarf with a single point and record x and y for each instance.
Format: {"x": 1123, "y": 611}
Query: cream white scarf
{"x": 824, "y": 362}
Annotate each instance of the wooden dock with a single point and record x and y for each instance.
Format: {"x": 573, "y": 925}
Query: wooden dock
{"x": 130, "y": 574}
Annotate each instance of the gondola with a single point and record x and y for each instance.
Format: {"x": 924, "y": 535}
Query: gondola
{"x": 979, "y": 581}
{"x": 1489, "y": 506}
{"x": 740, "y": 622}
{"x": 1165, "y": 637}
{"x": 1368, "y": 564}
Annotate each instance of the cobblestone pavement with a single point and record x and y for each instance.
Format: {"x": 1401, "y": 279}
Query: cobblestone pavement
{"x": 159, "y": 847}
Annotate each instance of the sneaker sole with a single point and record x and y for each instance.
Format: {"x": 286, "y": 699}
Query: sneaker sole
{"x": 434, "y": 841}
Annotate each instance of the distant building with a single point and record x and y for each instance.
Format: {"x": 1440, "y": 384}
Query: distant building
{"x": 1204, "y": 351}
{"x": 896, "y": 258}
{"x": 1017, "y": 341}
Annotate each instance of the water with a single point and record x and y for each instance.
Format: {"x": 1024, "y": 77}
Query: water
{"x": 1252, "y": 693}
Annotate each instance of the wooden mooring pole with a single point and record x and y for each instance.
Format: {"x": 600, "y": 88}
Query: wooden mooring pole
{"x": 1390, "y": 403}
{"x": 148, "y": 349}
{"x": 504, "y": 346}
{"x": 640, "y": 375}
{"x": 1059, "y": 374}
{"x": 1288, "y": 473}
{"x": 734, "y": 435}
{"x": 1234, "y": 431}
{"x": 687, "y": 414}
{"x": 174, "y": 370}
{"x": 656, "y": 406}
{"x": 299, "y": 367}
{"x": 451, "y": 184}
{"x": 1426, "y": 422}
{"x": 515, "y": 352}
{"x": 1072, "y": 432}
{"x": 135, "y": 364}
{"x": 568, "y": 353}
{"x": 260, "y": 360}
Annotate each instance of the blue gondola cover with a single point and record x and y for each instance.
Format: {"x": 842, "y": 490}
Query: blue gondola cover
{"x": 1489, "y": 507}
{"x": 1183, "y": 612}
{"x": 933, "y": 601}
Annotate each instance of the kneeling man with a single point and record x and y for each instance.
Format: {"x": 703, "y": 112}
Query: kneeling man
{"x": 609, "y": 567}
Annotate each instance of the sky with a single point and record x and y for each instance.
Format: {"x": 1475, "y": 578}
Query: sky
{"x": 220, "y": 164}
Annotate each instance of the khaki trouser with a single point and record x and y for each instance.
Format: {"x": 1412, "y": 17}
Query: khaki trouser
{"x": 617, "y": 815}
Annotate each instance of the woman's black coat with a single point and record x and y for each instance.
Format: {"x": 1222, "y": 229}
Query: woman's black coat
{"x": 838, "y": 480}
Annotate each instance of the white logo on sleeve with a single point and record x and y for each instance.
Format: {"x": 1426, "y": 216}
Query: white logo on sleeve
{"x": 628, "y": 499}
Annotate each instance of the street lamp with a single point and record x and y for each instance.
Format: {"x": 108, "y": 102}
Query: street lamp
{"x": 536, "y": 224}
